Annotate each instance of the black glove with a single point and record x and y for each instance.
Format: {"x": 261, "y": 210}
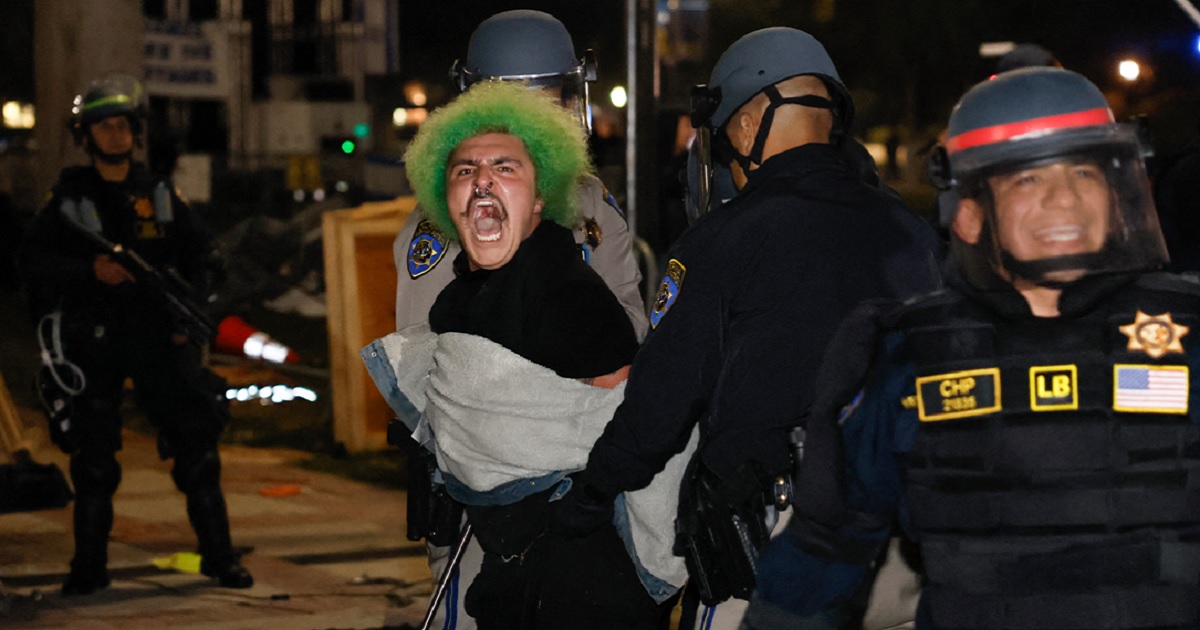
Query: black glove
{"x": 582, "y": 511}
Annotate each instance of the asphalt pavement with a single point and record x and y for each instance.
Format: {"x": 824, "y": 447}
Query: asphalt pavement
{"x": 325, "y": 552}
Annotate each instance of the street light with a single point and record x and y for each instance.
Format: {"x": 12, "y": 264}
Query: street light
{"x": 618, "y": 96}
{"x": 1129, "y": 70}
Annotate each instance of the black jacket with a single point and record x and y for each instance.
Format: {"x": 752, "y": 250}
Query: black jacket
{"x": 768, "y": 278}
{"x": 545, "y": 304}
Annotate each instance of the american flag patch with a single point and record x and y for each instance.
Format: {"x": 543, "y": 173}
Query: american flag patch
{"x": 1150, "y": 388}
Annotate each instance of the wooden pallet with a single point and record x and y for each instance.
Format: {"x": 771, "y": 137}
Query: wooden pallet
{"x": 360, "y": 295}
{"x": 12, "y": 429}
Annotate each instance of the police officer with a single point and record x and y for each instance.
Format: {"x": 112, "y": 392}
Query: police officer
{"x": 752, "y": 293}
{"x": 1034, "y": 423}
{"x": 534, "y": 48}
{"x": 114, "y": 327}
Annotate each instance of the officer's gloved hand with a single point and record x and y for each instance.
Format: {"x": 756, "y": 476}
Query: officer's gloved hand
{"x": 582, "y": 511}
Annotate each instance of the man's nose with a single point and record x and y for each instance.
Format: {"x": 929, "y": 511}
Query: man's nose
{"x": 483, "y": 177}
{"x": 1063, "y": 191}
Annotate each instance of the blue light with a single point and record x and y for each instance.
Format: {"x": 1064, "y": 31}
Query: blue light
{"x": 1198, "y": 44}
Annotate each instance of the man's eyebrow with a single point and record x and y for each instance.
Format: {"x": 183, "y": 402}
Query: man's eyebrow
{"x": 504, "y": 159}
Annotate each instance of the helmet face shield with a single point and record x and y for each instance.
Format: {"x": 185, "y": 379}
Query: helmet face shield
{"x": 111, "y": 95}
{"x": 570, "y": 89}
{"x": 1051, "y": 188}
{"x": 1066, "y": 205}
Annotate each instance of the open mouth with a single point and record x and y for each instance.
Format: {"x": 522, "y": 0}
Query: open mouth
{"x": 487, "y": 219}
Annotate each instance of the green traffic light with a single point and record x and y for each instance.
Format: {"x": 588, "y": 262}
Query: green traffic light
{"x": 347, "y": 147}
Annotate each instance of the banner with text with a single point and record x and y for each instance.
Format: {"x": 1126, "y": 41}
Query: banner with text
{"x": 186, "y": 60}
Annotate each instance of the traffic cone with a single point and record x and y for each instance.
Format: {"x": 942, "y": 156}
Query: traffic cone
{"x": 236, "y": 336}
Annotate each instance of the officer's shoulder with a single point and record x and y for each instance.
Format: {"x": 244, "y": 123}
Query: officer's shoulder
{"x": 906, "y": 312}
{"x": 594, "y": 197}
{"x": 1185, "y": 284}
{"x": 73, "y": 178}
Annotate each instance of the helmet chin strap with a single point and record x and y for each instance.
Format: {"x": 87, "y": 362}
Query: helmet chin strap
{"x": 113, "y": 158}
{"x": 1035, "y": 271}
{"x": 764, "y": 128}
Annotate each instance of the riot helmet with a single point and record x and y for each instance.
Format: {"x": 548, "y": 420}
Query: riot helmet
{"x": 1051, "y": 187}
{"x": 533, "y": 48}
{"x": 753, "y": 65}
{"x": 111, "y": 95}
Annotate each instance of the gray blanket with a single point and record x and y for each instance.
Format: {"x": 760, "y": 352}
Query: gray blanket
{"x": 499, "y": 418}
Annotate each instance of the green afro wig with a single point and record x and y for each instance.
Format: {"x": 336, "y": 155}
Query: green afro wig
{"x": 552, "y": 137}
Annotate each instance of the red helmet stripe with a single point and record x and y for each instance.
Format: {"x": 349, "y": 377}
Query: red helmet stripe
{"x": 1008, "y": 131}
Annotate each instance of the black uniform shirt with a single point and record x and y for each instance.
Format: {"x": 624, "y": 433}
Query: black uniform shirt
{"x": 767, "y": 279}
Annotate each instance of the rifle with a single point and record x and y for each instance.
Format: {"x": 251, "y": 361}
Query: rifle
{"x": 174, "y": 291}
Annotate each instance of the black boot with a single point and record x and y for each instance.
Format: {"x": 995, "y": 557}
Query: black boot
{"x": 85, "y": 582}
{"x": 95, "y": 480}
{"x": 206, "y": 511}
{"x": 231, "y": 575}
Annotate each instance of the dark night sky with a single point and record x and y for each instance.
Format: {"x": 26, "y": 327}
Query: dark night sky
{"x": 435, "y": 33}
{"x": 929, "y": 47}
{"x": 908, "y": 60}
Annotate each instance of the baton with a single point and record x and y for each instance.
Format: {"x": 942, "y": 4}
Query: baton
{"x": 435, "y": 600}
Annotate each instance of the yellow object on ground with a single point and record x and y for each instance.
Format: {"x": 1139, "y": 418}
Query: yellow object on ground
{"x": 184, "y": 562}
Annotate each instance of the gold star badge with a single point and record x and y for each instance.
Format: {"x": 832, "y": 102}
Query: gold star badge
{"x": 1155, "y": 335}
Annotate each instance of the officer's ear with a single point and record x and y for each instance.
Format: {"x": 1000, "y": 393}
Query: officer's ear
{"x": 968, "y": 221}
{"x": 743, "y": 129}
{"x": 538, "y": 205}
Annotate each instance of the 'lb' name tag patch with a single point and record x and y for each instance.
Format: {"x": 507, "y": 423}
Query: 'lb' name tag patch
{"x": 958, "y": 394}
{"x": 1053, "y": 388}
{"x": 1150, "y": 388}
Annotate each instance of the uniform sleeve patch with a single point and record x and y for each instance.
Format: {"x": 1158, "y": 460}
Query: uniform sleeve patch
{"x": 958, "y": 394}
{"x": 592, "y": 234}
{"x": 668, "y": 291}
{"x": 1053, "y": 387}
{"x": 426, "y": 249}
{"x": 1150, "y": 388}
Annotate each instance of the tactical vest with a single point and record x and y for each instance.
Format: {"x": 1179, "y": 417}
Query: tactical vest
{"x": 1055, "y": 477}
{"x": 153, "y": 212}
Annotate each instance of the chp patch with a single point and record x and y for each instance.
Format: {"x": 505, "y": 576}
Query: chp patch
{"x": 1053, "y": 387}
{"x": 426, "y": 249}
{"x": 668, "y": 291}
{"x": 958, "y": 394}
{"x": 1150, "y": 388}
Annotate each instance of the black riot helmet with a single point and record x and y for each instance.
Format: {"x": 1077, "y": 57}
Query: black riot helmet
{"x": 754, "y": 64}
{"x": 111, "y": 95}
{"x": 1018, "y": 216}
{"x": 533, "y": 48}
